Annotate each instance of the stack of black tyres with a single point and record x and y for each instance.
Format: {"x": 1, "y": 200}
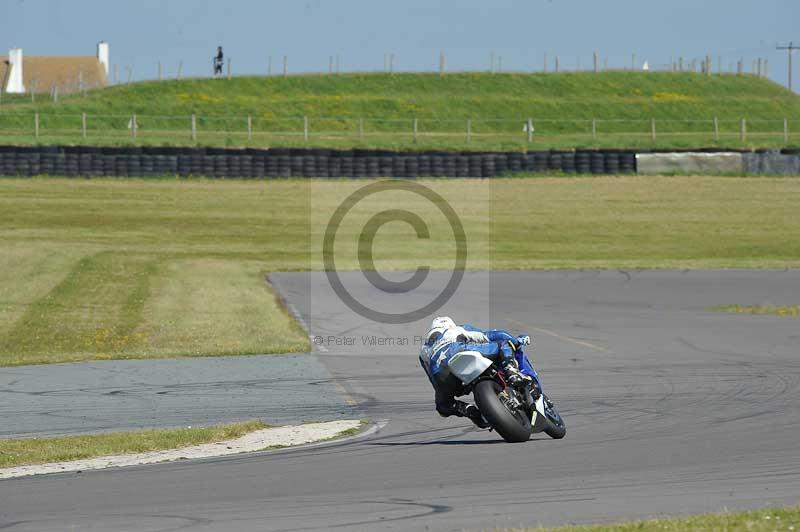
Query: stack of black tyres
{"x": 568, "y": 162}
{"x": 583, "y": 162}
{"x": 611, "y": 163}
{"x": 475, "y": 163}
{"x": 627, "y": 162}
{"x": 597, "y": 162}
{"x": 412, "y": 167}
{"x": 222, "y": 163}
{"x": 516, "y": 162}
{"x": 488, "y": 167}
{"x": 554, "y": 162}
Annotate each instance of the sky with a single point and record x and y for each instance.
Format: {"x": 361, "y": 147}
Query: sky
{"x": 142, "y": 33}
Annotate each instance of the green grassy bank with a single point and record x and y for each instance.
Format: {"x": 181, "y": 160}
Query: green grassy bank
{"x": 378, "y": 111}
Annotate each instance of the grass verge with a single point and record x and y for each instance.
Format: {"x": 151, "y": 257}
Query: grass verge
{"x": 765, "y": 520}
{"x": 761, "y": 310}
{"x": 30, "y": 451}
{"x": 115, "y": 269}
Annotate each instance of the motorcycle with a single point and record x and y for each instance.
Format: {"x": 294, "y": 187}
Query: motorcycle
{"x": 515, "y": 412}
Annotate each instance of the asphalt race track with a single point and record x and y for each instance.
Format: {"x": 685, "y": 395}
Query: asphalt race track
{"x": 670, "y": 409}
{"x": 113, "y": 395}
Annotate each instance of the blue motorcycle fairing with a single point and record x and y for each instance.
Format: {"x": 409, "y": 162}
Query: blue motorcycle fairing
{"x": 525, "y": 366}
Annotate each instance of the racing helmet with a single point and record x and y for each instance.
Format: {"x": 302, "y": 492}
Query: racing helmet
{"x": 438, "y": 327}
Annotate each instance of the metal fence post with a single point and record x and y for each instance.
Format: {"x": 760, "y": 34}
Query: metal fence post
{"x": 415, "y": 129}
{"x": 716, "y": 129}
{"x": 249, "y": 127}
{"x": 785, "y": 131}
{"x": 744, "y": 130}
{"x": 83, "y": 125}
{"x": 594, "y": 129}
{"x": 194, "y": 127}
{"x": 36, "y": 125}
{"x": 469, "y": 130}
{"x": 653, "y": 129}
{"x": 305, "y": 128}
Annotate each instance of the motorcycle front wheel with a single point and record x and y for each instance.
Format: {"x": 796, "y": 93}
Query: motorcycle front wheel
{"x": 556, "y": 428}
{"x": 513, "y": 426}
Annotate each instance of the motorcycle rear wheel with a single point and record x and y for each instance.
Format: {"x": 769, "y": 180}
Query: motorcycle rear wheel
{"x": 513, "y": 428}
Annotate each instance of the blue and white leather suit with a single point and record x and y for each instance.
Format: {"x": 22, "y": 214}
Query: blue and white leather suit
{"x": 438, "y": 351}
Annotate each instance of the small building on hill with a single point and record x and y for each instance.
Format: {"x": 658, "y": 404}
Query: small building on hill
{"x": 21, "y": 74}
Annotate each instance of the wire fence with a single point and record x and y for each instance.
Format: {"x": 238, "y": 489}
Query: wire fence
{"x": 199, "y": 129}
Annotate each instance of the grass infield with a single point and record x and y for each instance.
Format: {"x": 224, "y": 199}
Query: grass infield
{"x": 765, "y": 520}
{"x": 761, "y": 310}
{"x": 29, "y": 451}
{"x": 115, "y": 269}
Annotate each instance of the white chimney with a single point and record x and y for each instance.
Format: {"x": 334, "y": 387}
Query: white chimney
{"x": 102, "y": 54}
{"x": 15, "y": 80}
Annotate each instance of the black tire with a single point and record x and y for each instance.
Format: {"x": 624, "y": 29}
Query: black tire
{"x": 512, "y": 428}
{"x": 555, "y": 428}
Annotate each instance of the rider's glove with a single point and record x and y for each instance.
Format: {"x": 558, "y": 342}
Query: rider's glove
{"x": 507, "y": 348}
{"x": 523, "y": 340}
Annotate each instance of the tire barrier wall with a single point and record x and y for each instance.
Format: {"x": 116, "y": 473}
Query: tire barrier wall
{"x": 700, "y": 163}
{"x": 763, "y": 162}
{"x": 772, "y": 163}
{"x": 282, "y": 163}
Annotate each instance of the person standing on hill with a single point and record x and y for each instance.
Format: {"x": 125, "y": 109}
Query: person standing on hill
{"x": 218, "y": 62}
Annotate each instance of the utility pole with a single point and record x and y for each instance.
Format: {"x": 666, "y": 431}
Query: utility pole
{"x": 791, "y": 47}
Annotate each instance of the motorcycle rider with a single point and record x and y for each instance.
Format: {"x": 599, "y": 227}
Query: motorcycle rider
{"x": 444, "y": 339}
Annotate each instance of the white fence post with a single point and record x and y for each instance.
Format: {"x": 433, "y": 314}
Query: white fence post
{"x": 249, "y": 127}
{"x": 83, "y": 125}
{"x": 36, "y": 125}
{"x": 785, "y": 131}
{"x": 594, "y": 129}
{"x": 744, "y": 130}
{"x": 305, "y": 128}
{"x": 529, "y": 127}
{"x": 716, "y": 129}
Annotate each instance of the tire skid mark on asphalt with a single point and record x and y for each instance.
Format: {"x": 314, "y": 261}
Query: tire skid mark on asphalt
{"x": 559, "y": 336}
